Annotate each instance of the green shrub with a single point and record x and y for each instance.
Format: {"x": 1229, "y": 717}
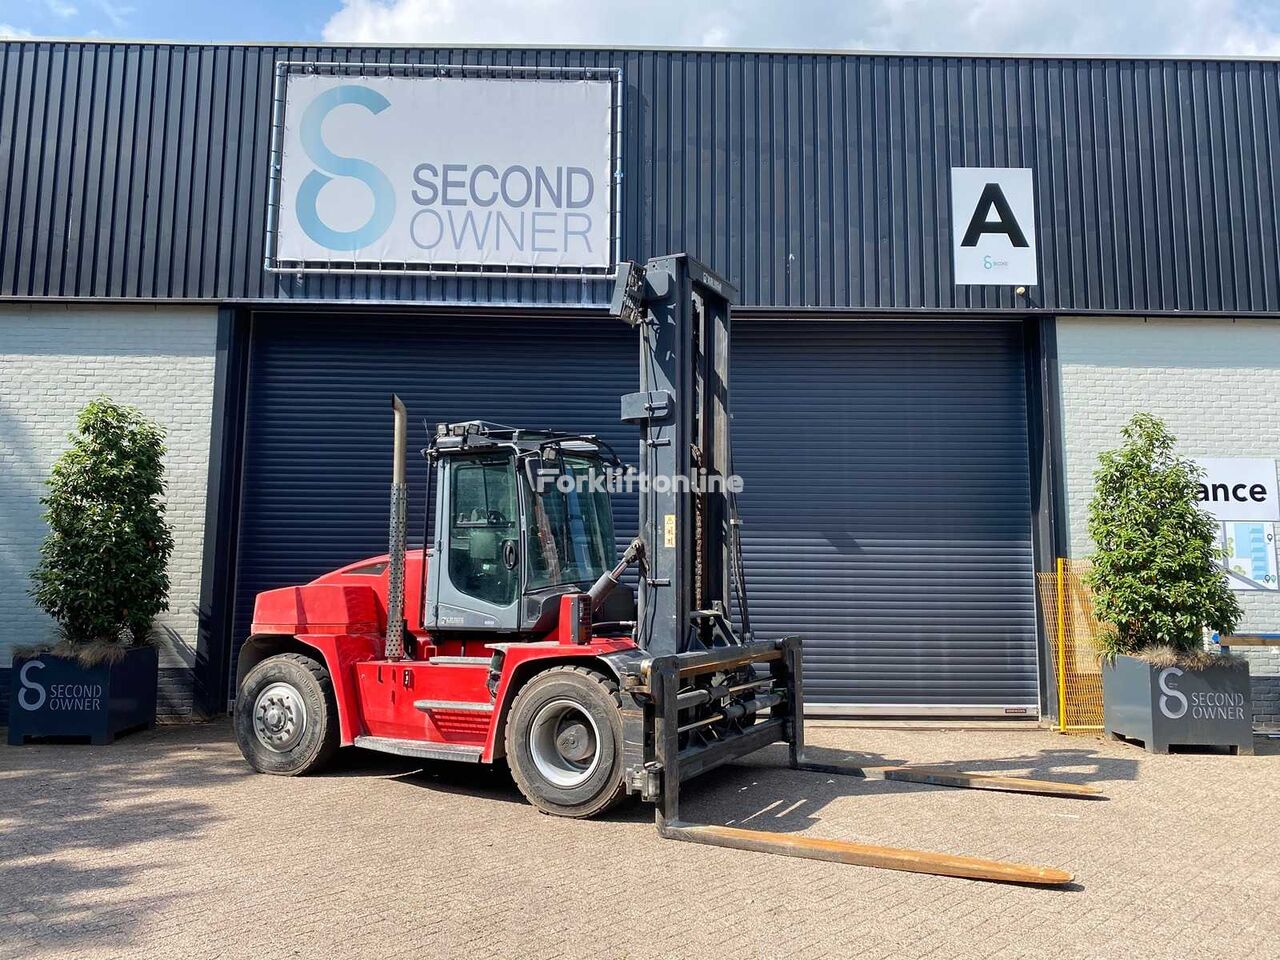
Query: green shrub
{"x": 102, "y": 571}
{"x": 1155, "y": 575}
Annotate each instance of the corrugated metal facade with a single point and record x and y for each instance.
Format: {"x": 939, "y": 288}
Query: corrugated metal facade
{"x": 810, "y": 180}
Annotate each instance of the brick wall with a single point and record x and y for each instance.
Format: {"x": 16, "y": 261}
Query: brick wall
{"x": 1264, "y": 667}
{"x": 1215, "y": 382}
{"x": 54, "y": 358}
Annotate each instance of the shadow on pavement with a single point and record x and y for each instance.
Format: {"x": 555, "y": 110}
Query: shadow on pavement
{"x": 64, "y": 807}
{"x": 763, "y": 793}
{"x": 457, "y": 779}
{"x": 796, "y": 797}
{"x": 481, "y": 780}
{"x": 1077, "y": 765}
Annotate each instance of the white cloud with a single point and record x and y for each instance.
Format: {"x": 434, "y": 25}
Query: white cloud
{"x": 61, "y": 9}
{"x": 10, "y": 31}
{"x": 117, "y": 13}
{"x": 996, "y": 26}
{"x": 528, "y": 21}
{"x": 1051, "y": 26}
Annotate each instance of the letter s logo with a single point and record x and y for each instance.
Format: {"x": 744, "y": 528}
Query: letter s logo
{"x": 25, "y": 698}
{"x": 1167, "y": 693}
{"x": 384, "y": 196}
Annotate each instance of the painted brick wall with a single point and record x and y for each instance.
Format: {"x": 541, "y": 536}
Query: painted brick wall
{"x": 54, "y": 358}
{"x": 1215, "y": 382}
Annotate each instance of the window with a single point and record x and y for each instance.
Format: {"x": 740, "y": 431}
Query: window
{"x": 571, "y": 529}
{"x": 482, "y": 531}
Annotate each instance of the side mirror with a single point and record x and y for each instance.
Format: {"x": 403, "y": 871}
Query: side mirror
{"x": 542, "y": 470}
{"x": 533, "y": 471}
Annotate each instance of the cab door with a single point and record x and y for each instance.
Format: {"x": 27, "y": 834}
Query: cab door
{"x": 474, "y": 580}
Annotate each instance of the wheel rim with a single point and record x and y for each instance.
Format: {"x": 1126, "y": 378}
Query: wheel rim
{"x": 564, "y": 743}
{"x": 279, "y": 717}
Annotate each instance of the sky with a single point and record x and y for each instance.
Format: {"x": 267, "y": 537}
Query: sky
{"x": 1204, "y": 27}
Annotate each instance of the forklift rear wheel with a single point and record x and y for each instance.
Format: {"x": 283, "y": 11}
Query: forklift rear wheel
{"x": 286, "y": 716}
{"x": 564, "y": 742}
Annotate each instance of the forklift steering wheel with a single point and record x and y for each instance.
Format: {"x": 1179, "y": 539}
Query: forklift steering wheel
{"x": 496, "y": 518}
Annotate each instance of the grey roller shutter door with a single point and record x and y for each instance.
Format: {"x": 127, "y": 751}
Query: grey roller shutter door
{"x": 887, "y": 510}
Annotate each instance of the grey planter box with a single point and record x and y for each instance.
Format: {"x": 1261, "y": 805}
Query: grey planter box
{"x": 1170, "y": 706}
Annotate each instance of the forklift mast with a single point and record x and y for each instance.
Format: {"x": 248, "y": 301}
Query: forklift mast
{"x": 691, "y": 551}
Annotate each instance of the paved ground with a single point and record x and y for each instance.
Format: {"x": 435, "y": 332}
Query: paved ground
{"x": 164, "y": 845}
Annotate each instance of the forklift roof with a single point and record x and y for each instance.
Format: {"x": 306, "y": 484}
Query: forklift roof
{"x": 475, "y": 436}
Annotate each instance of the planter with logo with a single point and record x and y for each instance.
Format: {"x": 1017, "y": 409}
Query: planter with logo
{"x": 102, "y": 578}
{"x": 1158, "y": 586}
{"x": 1164, "y": 706}
{"x": 59, "y": 698}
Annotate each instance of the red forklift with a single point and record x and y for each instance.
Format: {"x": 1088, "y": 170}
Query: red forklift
{"x": 516, "y": 634}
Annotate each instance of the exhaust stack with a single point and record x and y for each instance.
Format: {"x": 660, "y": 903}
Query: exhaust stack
{"x": 395, "y": 548}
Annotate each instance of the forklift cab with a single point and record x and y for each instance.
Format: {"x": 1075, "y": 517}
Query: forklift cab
{"x": 521, "y": 518}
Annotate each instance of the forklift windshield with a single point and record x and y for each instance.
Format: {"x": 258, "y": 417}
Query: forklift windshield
{"x": 570, "y": 527}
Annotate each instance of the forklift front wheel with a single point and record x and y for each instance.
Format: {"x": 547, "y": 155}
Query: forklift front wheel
{"x": 564, "y": 742}
{"x": 286, "y": 717}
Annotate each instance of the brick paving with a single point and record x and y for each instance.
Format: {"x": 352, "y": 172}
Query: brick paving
{"x": 164, "y": 845}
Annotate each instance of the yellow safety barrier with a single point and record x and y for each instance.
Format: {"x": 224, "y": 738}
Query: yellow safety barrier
{"x": 1067, "y": 605}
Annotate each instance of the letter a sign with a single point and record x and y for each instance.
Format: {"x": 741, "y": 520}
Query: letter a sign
{"x": 993, "y": 226}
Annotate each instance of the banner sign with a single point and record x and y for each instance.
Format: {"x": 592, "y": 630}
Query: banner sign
{"x": 1239, "y": 488}
{"x": 418, "y": 170}
{"x": 993, "y": 226}
{"x": 1242, "y": 494}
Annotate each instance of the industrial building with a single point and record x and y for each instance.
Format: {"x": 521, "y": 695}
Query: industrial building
{"x": 957, "y": 277}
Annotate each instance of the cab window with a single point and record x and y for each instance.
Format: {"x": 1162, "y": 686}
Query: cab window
{"x": 570, "y": 532}
{"x": 482, "y": 531}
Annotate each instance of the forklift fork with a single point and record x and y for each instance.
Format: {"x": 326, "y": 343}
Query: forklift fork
{"x": 786, "y": 724}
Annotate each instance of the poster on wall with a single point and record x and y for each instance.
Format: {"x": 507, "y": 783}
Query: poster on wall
{"x": 1241, "y": 494}
{"x": 1250, "y": 554}
{"x": 993, "y": 226}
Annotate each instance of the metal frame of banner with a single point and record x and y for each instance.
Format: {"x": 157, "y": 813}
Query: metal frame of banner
{"x": 285, "y": 68}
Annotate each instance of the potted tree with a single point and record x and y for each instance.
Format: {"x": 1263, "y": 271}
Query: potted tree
{"x": 102, "y": 578}
{"x": 1158, "y": 585}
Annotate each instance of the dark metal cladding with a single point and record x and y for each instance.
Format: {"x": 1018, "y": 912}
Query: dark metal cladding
{"x": 809, "y": 180}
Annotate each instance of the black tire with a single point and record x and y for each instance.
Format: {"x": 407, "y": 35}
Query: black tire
{"x": 298, "y": 751}
{"x": 594, "y": 699}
